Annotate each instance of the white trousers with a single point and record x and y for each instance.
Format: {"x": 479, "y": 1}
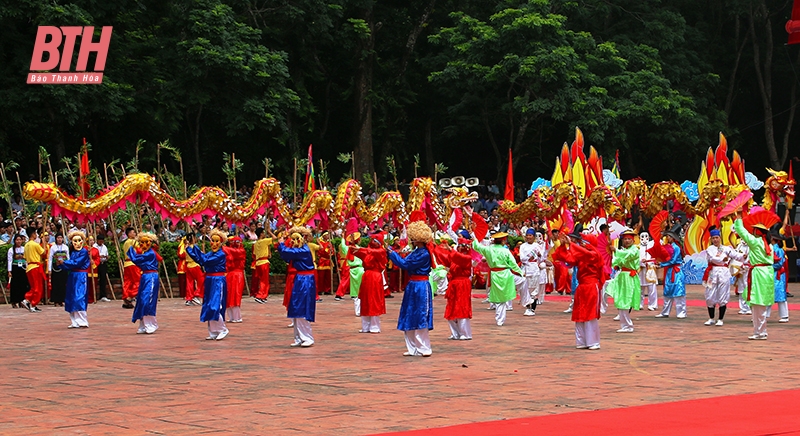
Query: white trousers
{"x": 783, "y": 310}
{"x": 625, "y": 321}
{"x": 460, "y": 328}
{"x": 718, "y": 294}
{"x": 587, "y": 334}
{"x": 148, "y": 324}
{"x": 418, "y": 342}
{"x": 302, "y": 330}
{"x": 78, "y": 319}
{"x": 216, "y": 327}
{"x": 743, "y": 306}
{"x": 603, "y": 298}
{"x": 357, "y": 306}
{"x": 651, "y": 291}
{"x": 680, "y": 306}
{"x": 759, "y": 319}
{"x": 371, "y": 324}
{"x": 524, "y": 289}
{"x": 541, "y": 294}
{"x": 234, "y": 313}
{"x": 500, "y": 313}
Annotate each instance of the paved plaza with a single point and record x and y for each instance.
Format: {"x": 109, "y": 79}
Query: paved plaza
{"x": 109, "y": 380}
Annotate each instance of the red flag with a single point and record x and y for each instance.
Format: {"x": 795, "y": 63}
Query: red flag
{"x": 509, "y": 192}
{"x": 309, "y": 184}
{"x": 84, "y": 171}
{"x": 793, "y": 25}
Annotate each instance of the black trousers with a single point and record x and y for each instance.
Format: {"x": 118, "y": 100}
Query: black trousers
{"x": 102, "y": 279}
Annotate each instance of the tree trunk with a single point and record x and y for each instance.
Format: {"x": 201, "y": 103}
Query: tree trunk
{"x": 58, "y": 137}
{"x": 429, "y": 160}
{"x": 196, "y": 143}
{"x": 498, "y": 159}
{"x": 732, "y": 82}
{"x": 763, "y": 70}
{"x": 363, "y": 158}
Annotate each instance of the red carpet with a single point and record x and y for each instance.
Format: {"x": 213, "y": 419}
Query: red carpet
{"x": 771, "y": 413}
{"x": 733, "y": 304}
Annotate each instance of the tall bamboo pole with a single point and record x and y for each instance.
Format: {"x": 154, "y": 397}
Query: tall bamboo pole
{"x": 8, "y": 190}
{"x": 294, "y": 188}
{"x": 116, "y": 245}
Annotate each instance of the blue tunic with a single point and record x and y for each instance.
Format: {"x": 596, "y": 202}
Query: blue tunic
{"x": 574, "y": 284}
{"x": 416, "y": 311}
{"x": 303, "y": 302}
{"x": 215, "y": 290}
{"x": 780, "y": 277}
{"x": 674, "y": 285}
{"x": 76, "y": 296}
{"x": 147, "y": 298}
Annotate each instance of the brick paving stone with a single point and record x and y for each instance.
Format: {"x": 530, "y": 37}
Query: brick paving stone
{"x": 109, "y": 380}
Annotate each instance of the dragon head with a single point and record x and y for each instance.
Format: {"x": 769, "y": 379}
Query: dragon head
{"x": 779, "y": 184}
{"x": 460, "y": 197}
{"x": 39, "y": 191}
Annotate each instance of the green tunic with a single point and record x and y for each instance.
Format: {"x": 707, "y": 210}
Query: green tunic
{"x": 624, "y": 287}
{"x": 762, "y": 290}
{"x": 502, "y": 282}
{"x": 356, "y": 270}
{"x": 438, "y": 275}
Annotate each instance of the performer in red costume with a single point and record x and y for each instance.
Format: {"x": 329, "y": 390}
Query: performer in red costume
{"x": 458, "y": 311}
{"x": 373, "y": 304}
{"x": 234, "y": 263}
{"x": 582, "y": 251}
{"x": 324, "y": 263}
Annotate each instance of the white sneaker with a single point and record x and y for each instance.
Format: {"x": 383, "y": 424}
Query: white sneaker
{"x": 651, "y": 308}
{"x": 568, "y": 311}
{"x": 529, "y": 312}
{"x": 222, "y": 335}
{"x": 296, "y": 344}
{"x": 709, "y": 322}
{"x": 719, "y": 322}
{"x": 616, "y": 318}
{"x": 499, "y": 324}
{"x": 661, "y": 315}
{"x": 625, "y": 330}
{"x": 141, "y": 331}
{"x": 581, "y": 347}
{"x": 783, "y": 320}
{"x": 465, "y": 338}
{"x": 594, "y": 347}
{"x": 307, "y": 344}
{"x": 105, "y": 300}
{"x": 681, "y": 316}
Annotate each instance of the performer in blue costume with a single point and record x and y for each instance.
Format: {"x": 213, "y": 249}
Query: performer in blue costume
{"x": 416, "y": 310}
{"x": 146, "y": 259}
{"x": 780, "y": 273}
{"x": 674, "y": 283}
{"x": 303, "y": 301}
{"x": 215, "y": 287}
{"x": 78, "y": 267}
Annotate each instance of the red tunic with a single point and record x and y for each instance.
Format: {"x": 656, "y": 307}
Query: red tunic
{"x": 590, "y": 272}
{"x": 373, "y": 302}
{"x": 234, "y": 264}
{"x": 459, "y": 288}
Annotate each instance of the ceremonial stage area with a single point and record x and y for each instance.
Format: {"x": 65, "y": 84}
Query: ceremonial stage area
{"x": 109, "y": 380}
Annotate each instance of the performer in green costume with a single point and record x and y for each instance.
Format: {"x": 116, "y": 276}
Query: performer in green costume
{"x": 503, "y": 284}
{"x": 760, "y": 292}
{"x": 625, "y": 285}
